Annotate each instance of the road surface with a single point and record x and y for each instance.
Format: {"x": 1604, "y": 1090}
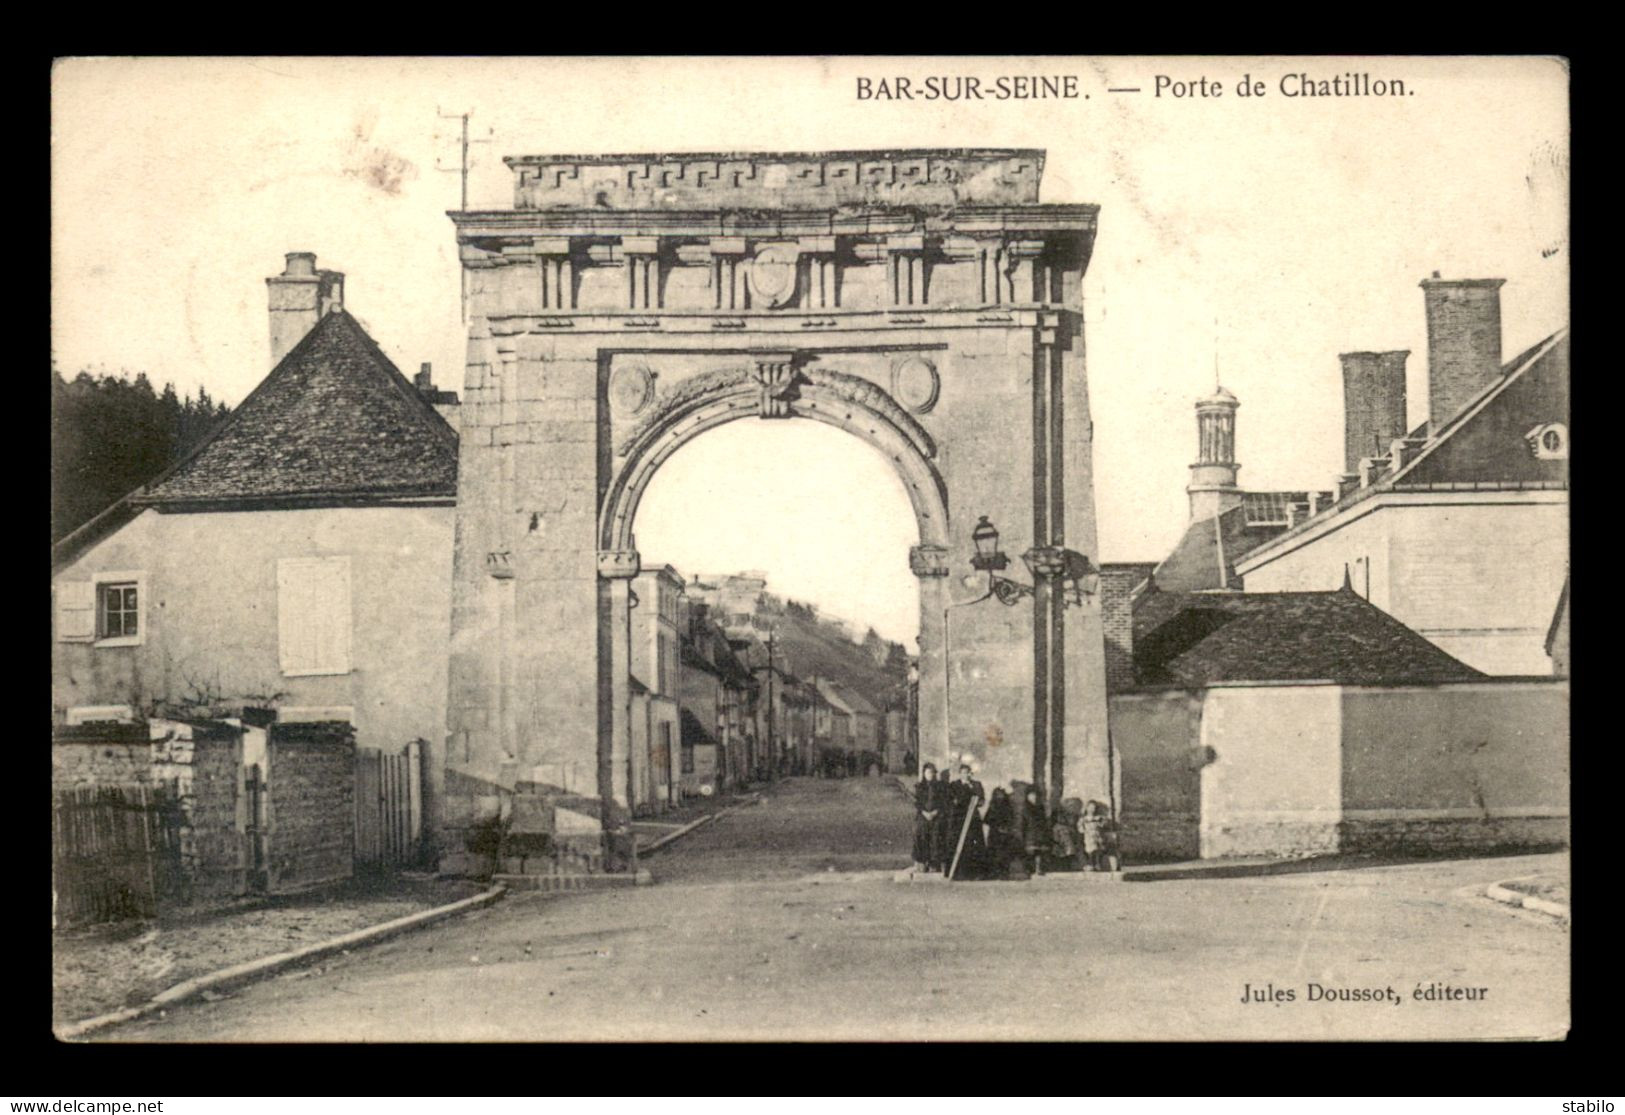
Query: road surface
{"x": 781, "y": 921}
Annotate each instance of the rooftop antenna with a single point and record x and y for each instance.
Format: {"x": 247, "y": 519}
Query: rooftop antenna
{"x": 462, "y": 170}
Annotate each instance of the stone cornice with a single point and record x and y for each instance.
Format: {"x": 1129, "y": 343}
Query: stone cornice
{"x": 779, "y": 180}
{"x": 990, "y": 220}
{"x": 1006, "y": 316}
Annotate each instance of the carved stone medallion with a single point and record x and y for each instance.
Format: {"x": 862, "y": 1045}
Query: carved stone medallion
{"x": 772, "y": 275}
{"x": 631, "y": 387}
{"x": 914, "y": 383}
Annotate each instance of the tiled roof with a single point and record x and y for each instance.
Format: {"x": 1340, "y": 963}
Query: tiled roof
{"x": 1205, "y": 558}
{"x": 335, "y": 419}
{"x": 1199, "y": 638}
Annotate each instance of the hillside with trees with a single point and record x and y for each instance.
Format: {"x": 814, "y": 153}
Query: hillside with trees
{"x": 111, "y": 434}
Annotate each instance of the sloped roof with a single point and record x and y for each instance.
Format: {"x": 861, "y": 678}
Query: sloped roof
{"x": 335, "y": 419}
{"x": 1550, "y": 356}
{"x": 845, "y": 699}
{"x": 692, "y": 731}
{"x": 1205, "y": 555}
{"x": 1199, "y": 638}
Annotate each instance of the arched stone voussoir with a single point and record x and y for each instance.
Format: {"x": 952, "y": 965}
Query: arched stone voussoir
{"x": 846, "y": 401}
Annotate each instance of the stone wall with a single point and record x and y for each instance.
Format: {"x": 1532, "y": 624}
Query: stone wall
{"x": 1158, "y": 754}
{"x": 1273, "y": 785}
{"x": 311, "y": 807}
{"x": 205, "y": 763}
{"x": 1455, "y": 768}
{"x": 1292, "y": 770}
{"x": 201, "y": 762}
{"x": 101, "y": 755}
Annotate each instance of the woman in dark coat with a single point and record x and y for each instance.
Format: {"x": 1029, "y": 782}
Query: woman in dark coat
{"x": 1004, "y": 851}
{"x": 944, "y": 840}
{"x": 967, "y": 796}
{"x": 927, "y": 811}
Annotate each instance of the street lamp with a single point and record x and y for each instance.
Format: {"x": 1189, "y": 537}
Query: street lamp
{"x": 1077, "y": 575}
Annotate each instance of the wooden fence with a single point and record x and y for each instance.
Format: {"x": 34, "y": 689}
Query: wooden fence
{"x": 116, "y": 852}
{"x": 389, "y": 807}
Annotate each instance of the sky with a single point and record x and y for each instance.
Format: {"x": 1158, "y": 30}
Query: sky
{"x": 1259, "y": 236}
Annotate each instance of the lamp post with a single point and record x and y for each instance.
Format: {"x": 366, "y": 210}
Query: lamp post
{"x": 1077, "y": 576}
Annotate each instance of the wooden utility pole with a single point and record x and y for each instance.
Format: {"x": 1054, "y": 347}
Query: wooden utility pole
{"x": 772, "y": 742}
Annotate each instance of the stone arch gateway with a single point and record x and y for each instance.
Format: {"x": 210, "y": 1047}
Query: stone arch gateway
{"x": 923, "y": 301}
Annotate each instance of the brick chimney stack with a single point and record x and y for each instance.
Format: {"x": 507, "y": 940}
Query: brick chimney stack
{"x": 299, "y": 298}
{"x": 1373, "y": 404}
{"x": 1464, "y": 342}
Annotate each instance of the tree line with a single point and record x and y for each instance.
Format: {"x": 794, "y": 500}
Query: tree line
{"x": 111, "y": 434}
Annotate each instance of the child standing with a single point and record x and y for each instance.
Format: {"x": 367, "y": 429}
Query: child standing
{"x": 1092, "y": 827}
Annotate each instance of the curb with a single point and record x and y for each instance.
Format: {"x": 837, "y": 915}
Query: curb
{"x": 269, "y": 965}
{"x": 1527, "y": 901}
{"x": 645, "y": 849}
{"x": 675, "y": 833}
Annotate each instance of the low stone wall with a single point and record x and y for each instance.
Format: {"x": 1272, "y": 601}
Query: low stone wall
{"x": 311, "y": 804}
{"x": 1156, "y": 837}
{"x": 1418, "y": 836}
{"x": 204, "y": 761}
{"x": 1155, "y": 743}
{"x": 1296, "y": 770}
{"x": 100, "y": 755}
{"x": 1270, "y": 836}
{"x": 200, "y": 761}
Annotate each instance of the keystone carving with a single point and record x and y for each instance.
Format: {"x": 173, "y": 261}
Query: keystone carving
{"x": 776, "y": 375}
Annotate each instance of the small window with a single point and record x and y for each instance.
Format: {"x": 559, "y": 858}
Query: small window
{"x": 120, "y": 609}
{"x": 118, "y": 614}
{"x": 688, "y": 758}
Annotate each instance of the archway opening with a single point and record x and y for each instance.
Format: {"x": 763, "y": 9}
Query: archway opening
{"x": 797, "y": 626}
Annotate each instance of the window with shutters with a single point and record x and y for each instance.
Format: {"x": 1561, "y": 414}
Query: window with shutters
{"x": 108, "y": 610}
{"x": 313, "y": 615}
{"x": 75, "y": 611}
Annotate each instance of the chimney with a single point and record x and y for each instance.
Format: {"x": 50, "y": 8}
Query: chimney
{"x": 425, "y": 378}
{"x": 1464, "y": 342}
{"x": 299, "y": 298}
{"x": 1213, "y": 489}
{"x": 1373, "y": 403}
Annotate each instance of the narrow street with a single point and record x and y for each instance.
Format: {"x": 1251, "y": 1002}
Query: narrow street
{"x": 780, "y": 922}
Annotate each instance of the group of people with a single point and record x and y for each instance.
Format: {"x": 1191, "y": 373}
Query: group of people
{"x": 964, "y": 833}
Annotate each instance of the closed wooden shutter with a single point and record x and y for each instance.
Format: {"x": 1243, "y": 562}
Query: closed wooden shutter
{"x": 76, "y": 612}
{"x": 313, "y": 615}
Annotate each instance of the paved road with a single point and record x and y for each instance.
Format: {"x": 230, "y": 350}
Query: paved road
{"x": 749, "y": 935}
